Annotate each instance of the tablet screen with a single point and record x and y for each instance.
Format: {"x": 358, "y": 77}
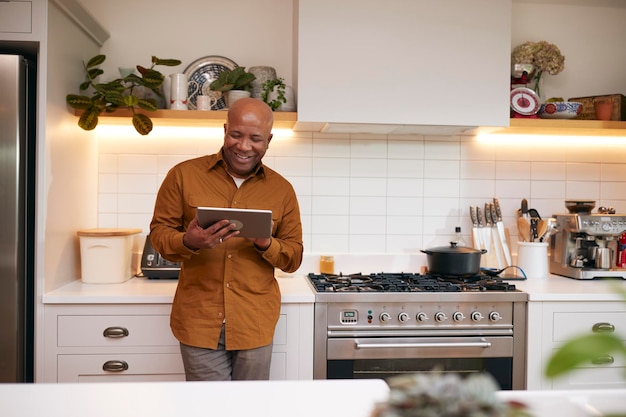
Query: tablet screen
{"x": 250, "y": 223}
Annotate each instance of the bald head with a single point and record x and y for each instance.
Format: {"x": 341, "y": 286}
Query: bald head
{"x": 247, "y": 135}
{"x": 251, "y": 110}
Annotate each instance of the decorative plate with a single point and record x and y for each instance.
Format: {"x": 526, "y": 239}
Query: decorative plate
{"x": 203, "y": 72}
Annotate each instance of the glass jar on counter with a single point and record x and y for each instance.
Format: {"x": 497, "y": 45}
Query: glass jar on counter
{"x": 327, "y": 264}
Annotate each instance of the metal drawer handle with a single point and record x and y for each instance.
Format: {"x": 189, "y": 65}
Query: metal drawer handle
{"x": 482, "y": 343}
{"x": 115, "y": 366}
{"x": 603, "y": 328}
{"x": 115, "y": 332}
{"x": 603, "y": 360}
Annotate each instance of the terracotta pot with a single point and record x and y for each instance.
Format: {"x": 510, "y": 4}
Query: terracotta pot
{"x": 604, "y": 109}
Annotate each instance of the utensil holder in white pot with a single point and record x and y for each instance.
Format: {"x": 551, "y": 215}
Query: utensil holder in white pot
{"x": 532, "y": 258}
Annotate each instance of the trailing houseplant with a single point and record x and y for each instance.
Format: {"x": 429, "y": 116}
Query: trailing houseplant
{"x": 277, "y": 86}
{"x": 119, "y": 93}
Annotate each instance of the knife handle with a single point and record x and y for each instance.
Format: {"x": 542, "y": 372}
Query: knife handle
{"x": 497, "y": 208}
{"x": 479, "y": 217}
{"x": 473, "y": 216}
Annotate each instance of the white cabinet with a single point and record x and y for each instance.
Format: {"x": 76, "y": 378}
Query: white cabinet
{"x": 404, "y": 62}
{"x": 22, "y": 20}
{"x": 133, "y": 342}
{"x": 550, "y": 324}
{"x": 16, "y": 17}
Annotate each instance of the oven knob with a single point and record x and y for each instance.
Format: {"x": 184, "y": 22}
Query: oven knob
{"x": 458, "y": 316}
{"x": 385, "y": 317}
{"x": 495, "y": 316}
{"x": 440, "y": 316}
{"x": 421, "y": 316}
{"x": 476, "y": 316}
{"x": 403, "y": 317}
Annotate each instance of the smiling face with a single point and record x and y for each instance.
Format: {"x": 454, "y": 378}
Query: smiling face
{"x": 247, "y": 135}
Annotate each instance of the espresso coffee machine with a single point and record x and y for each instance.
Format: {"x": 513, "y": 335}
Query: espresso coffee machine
{"x": 586, "y": 245}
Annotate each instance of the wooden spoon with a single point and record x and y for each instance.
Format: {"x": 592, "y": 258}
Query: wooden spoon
{"x": 523, "y": 229}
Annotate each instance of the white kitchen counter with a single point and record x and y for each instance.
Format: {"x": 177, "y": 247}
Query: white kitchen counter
{"x": 315, "y": 398}
{"x": 558, "y": 288}
{"x": 570, "y": 403}
{"x": 293, "y": 288}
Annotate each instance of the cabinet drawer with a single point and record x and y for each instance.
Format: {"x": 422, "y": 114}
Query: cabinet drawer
{"x": 126, "y": 367}
{"x": 88, "y": 331}
{"x": 591, "y": 376}
{"x": 568, "y": 325}
{"x": 16, "y": 17}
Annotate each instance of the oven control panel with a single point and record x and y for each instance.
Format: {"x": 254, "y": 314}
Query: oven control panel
{"x": 422, "y": 315}
{"x": 349, "y": 316}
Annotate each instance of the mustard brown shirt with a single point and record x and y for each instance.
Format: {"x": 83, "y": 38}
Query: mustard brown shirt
{"x": 233, "y": 281}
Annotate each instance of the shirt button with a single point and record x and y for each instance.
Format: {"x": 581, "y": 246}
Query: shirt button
{"x": 227, "y": 285}
{"x": 220, "y": 315}
{"x": 230, "y": 256}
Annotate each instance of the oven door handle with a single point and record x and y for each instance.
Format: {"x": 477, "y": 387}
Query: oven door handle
{"x": 482, "y": 343}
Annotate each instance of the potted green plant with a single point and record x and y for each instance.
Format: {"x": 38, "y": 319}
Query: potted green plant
{"x": 119, "y": 93}
{"x": 274, "y": 92}
{"x": 233, "y": 84}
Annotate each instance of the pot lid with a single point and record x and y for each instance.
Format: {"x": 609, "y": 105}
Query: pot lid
{"x": 453, "y": 248}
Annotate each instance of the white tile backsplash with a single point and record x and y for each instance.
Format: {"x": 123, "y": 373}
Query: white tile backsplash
{"x": 365, "y": 187}
{"x": 548, "y": 171}
{"x": 369, "y": 194}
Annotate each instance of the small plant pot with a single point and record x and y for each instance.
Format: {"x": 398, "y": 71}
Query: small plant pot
{"x": 290, "y": 105}
{"x": 603, "y": 109}
{"x": 234, "y": 95}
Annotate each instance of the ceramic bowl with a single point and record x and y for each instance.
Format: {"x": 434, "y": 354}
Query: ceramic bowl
{"x": 579, "y": 206}
{"x": 560, "y": 110}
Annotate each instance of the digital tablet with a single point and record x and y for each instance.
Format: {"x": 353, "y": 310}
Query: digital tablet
{"x": 249, "y": 222}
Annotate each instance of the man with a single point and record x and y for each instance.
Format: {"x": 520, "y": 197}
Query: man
{"x": 227, "y": 302}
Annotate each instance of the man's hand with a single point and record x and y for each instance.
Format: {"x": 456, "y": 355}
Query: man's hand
{"x": 198, "y": 238}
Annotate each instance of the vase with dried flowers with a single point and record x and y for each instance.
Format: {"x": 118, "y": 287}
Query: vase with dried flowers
{"x": 544, "y": 56}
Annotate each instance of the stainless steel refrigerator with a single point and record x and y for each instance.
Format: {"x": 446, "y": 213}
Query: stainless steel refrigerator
{"x": 17, "y": 217}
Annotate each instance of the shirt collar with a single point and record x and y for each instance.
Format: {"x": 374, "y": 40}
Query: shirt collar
{"x": 218, "y": 160}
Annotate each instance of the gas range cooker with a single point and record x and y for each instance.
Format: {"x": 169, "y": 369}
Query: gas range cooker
{"x": 405, "y": 286}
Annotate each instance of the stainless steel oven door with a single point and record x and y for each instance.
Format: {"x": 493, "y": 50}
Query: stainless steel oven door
{"x": 388, "y": 356}
{"x": 419, "y": 347}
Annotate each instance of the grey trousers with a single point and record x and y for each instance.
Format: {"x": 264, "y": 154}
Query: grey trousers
{"x": 203, "y": 364}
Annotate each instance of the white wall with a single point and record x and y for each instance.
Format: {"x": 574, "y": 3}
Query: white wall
{"x": 248, "y": 32}
{"x": 367, "y": 194}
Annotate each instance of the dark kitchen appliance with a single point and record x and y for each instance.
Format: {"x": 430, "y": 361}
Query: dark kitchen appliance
{"x": 383, "y": 324}
{"x": 581, "y": 237}
{"x": 154, "y": 266}
{"x": 17, "y": 217}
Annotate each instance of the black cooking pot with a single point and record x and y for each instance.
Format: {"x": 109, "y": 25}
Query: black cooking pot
{"x": 453, "y": 260}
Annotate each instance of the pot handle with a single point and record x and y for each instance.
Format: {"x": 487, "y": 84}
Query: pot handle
{"x": 483, "y": 251}
{"x": 427, "y": 252}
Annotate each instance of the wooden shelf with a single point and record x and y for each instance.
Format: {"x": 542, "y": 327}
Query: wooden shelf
{"x": 287, "y": 120}
{"x": 562, "y": 127}
{"x": 191, "y": 118}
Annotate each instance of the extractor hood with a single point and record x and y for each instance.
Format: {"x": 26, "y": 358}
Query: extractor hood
{"x": 384, "y": 129}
